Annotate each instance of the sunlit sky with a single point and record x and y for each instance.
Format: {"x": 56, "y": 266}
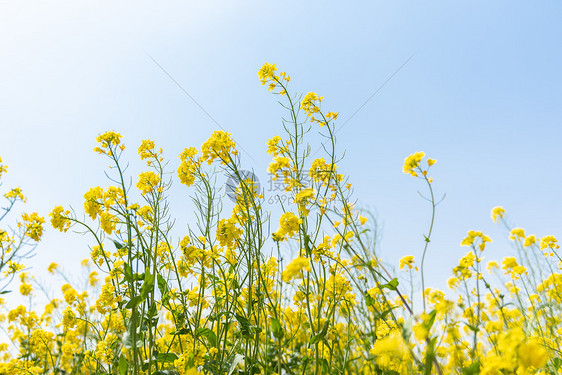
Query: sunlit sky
{"x": 480, "y": 92}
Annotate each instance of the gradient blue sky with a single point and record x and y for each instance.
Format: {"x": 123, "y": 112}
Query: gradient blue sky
{"x": 481, "y": 94}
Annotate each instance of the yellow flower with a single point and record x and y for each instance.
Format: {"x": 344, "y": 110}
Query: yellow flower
{"x": 59, "y": 219}
{"x": 511, "y": 267}
{"x": 497, "y": 213}
{"x": 273, "y": 145}
{"x": 470, "y": 239}
{"x": 68, "y": 318}
{"x": 549, "y": 242}
{"x": 392, "y": 352}
{"x": 146, "y": 149}
{"x": 106, "y": 298}
{"x": 13, "y": 267}
{"x": 113, "y": 195}
{"x": 289, "y": 225}
{"x": 492, "y": 265}
{"x": 267, "y": 73}
{"x": 310, "y": 104}
{"x": 420, "y": 330}
{"x": 147, "y": 182}
{"x": 228, "y": 232}
{"x": 303, "y": 196}
{"x": 15, "y": 193}
{"x": 332, "y": 115}
{"x": 92, "y": 279}
{"x": 279, "y": 163}
{"x": 452, "y": 282}
{"x": 321, "y": 171}
{"x": 52, "y": 267}
{"x": 295, "y": 267}
{"x": 407, "y": 261}
{"x": 531, "y": 354}
{"x": 92, "y": 206}
{"x": 516, "y": 234}
{"x": 3, "y": 168}
{"x": 106, "y": 141}
{"x": 25, "y": 289}
{"x": 188, "y": 166}
{"x": 530, "y": 240}
{"x": 220, "y": 145}
{"x": 69, "y": 293}
{"x": 107, "y": 222}
{"x": 33, "y": 225}
{"x": 412, "y": 162}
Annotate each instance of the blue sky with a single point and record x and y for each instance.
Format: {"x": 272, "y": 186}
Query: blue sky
{"x": 481, "y": 94}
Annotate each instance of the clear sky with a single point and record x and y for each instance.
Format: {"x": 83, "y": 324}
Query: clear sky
{"x": 481, "y": 93}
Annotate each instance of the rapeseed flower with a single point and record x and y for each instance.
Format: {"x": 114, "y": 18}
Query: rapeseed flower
{"x": 497, "y": 213}
{"x": 288, "y": 226}
{"x": 412, "y": 162}
{"x": 220, "y": 145}
{"x": 407, "y": 261}
{"x": 59, "y": 219}
{"x": 294, "y": 268}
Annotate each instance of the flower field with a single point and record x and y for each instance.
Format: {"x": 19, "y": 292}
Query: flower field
{"x": 314, "y": 297}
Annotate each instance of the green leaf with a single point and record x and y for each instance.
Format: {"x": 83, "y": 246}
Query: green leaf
{"x": 472, "y": 328}
{"x": 369, "y": 301}
{"x": 383, "y": 314}
{"x": 162, "y": 284}
{"x": 133, "y": 302}
{"x": 307, "y": 243}
{"x": 473, "y": 369}
{"x": 164, "y": 290}
{"x": 182, "y": 331}
{"x": 430, "y": 356}
{"x": 152, "y": 311}
{"x": 128, "y": 339}
{"x": 128, "y": 272}
{"x": 118, "y": 245}
{"x": 210, "y": 335}
{"x": 123, "y": 365}
{"x": 167, "y": 357}
{"x": 319, "y": 336}
{"x": 278, "y": 332}
{"x": 148, "y": 284}
{"x": 429, "y": 323}
{"x": 392, "y": 284}
{"x": 245, "y": 323}
{"x": 325, "y": 366}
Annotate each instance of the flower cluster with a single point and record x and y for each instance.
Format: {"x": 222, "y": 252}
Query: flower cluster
{"x": 289, "y": 224}
{"x": 268, "y": 75}
{"x": 108, "y": 141}
{"x": 14, "y": 243}
{"x": 220, "y": 145}
{"x": 189, "y": 166}
{"x": 227, "y": 297}
{"x": 412, "y": 164}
